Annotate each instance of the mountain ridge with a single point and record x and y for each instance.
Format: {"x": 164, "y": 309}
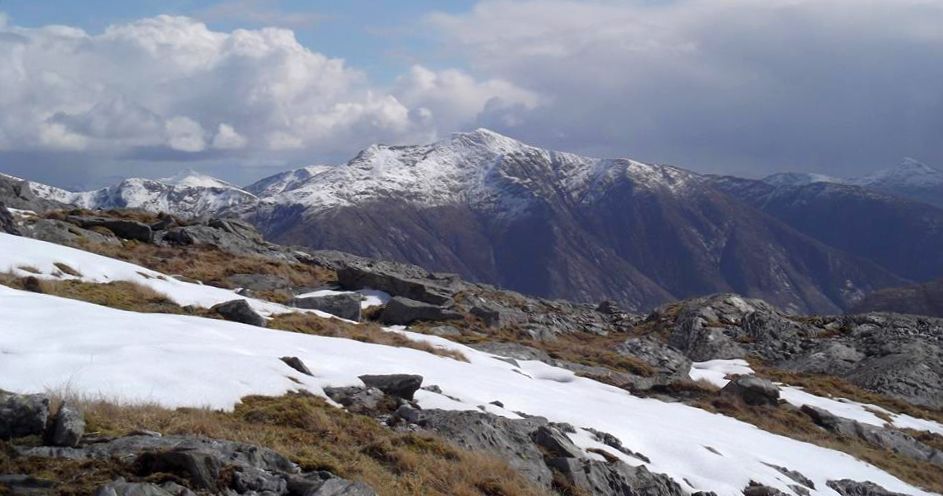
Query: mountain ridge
{"x": 543, "y": 222}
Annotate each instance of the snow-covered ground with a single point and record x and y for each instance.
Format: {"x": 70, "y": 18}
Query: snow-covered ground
{"x": 29, "y": 257}
{"x": 52, "y": 343}
{"x": 716, "y": 371}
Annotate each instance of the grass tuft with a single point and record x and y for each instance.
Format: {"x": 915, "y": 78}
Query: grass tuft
{"x": 366, "y": 332}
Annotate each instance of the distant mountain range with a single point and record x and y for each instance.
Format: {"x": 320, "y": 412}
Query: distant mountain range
{"x": 556, "y": 224}
{"x": 911, "y": 179}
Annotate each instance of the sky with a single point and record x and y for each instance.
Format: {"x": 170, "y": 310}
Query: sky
{"x": 95, "y": 90}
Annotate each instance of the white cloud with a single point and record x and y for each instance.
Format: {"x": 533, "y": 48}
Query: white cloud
{"x": 185, "y": 134}
{"x": 228, "y": 139}
{"x": 454, "y": 99}
{"x": 172, "y": 84}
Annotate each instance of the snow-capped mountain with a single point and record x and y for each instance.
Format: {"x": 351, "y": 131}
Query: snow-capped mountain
{"x": 911, "y": 179}
{"x": 555, "y": 224}
{"x": 188, "y": 194}
{"x": 542, "y": 222}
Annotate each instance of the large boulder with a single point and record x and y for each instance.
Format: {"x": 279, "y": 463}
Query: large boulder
{"x": 227, "y": 235}
{"x": 67, "y": 428}
{"x": 668, "y": 363}
{"x": 614, "y": 479}
{"x": 22, "y": 415}
{"x": 239, "y": 311}
{"x": 7, "y": 224}
{"x": 123, "y": 228}
{"x": 753, "y": 390}
{"x": 397, "y": 279}
{"x": 509, "y": 439}
{"x": 847, "y": 487}
{"x": 402, "y": 386}
{"x": 403, "y": 311}
{"x": 343, "y": 305}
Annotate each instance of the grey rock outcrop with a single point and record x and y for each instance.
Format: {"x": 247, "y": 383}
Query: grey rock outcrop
{"x": 507, "y": 438}
{"x": 362, "y": 400}
{"x": 397, "y": 279}
{"x": 343, "y": 305}
{"x": 205, "y": 465}
{"x": 239, "y": 311}
{"x": 887, "y": 439}
{"x": 614, "y": 479}
{"x": 22, "y": 415}
{"x": 402, "y": 386}
{"x": 123, "y": 228}
{"x": 847, "y": 487}
{"x": 7, "y": 224}
{"x": 123, "y": 488}
{"x": 402, "y": 311}
{"x": 897, "y": 355}
{"x": 67, "y": 427}
{"x": 753, "y": 390}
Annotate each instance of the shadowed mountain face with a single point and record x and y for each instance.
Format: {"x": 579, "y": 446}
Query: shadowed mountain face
{"x": 917, "y": 299}
{"x": 900, "y": 235}
{"x": 560, "y": 225}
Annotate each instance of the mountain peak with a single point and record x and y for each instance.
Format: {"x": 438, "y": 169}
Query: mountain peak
{"x": 190, "y": 178}
{"x": 488, "y": 139}
{"x": 916, "y": 166}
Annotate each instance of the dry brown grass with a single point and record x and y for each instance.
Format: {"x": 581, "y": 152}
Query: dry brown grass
{"x": 791, "y": 422}
{"x": 831, "y": 386}
{"x": 210, "y": 265}
{"x": 365, "y": 332}
{"x": 66, "y": 269}
{"x": 583, "y": 348}
{"x": 317, "y": 436}
{"x": 119, "y": 294}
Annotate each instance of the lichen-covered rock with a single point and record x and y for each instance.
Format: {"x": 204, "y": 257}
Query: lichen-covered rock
{"x": 67, "y": 428}
{"x": 22, "y": 415}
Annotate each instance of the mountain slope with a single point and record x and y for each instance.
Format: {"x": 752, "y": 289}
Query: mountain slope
{"x": 917, "y": 299}
{"x": 546, "y": 223}
{"x": 902, "y": 236}
{"x": 559, "y": 225}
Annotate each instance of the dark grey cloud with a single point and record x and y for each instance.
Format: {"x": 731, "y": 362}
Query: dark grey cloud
{"x": 746, "y": 86}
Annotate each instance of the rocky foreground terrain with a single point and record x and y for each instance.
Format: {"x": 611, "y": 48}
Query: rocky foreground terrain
{"x": 703, "y": 392}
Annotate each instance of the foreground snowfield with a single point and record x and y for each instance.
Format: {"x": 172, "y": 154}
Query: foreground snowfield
{"x": 53, "y": 343}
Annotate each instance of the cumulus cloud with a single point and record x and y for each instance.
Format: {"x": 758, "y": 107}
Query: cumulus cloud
{"x": 171, "y": 83}
{"x": 834, "y": 85}
{"x": 228, "y": 139}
